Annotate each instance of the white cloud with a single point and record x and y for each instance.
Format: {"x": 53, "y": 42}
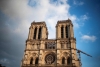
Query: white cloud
{"x": 77, "y": 3}
{"x": 84, "y": 17}
{"x": 23, "y": 12}
{"x": 89, "y": 38}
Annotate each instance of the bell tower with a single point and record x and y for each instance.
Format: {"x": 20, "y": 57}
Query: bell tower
{"x": 38, "y": 31}
{"x": 66, "y": 43}
{"x": 64, "y": 29}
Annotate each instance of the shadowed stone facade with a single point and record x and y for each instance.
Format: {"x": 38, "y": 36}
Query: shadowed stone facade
{"x": 43, "y": 52}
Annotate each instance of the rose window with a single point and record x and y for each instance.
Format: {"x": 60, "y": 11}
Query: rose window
{"x": 50, "y": 58}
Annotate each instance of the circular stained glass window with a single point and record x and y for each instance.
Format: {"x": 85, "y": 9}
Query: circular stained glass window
{"x": 50, "y": 58}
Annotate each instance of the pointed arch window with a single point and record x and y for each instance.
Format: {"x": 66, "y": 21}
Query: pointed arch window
{"x": 68, "y": 60}
{"x": 35, "y": 31}
{"x": 31, "y": 61}
{"x": 62, "y": 31}
{"x": 39, "y": 34}
{"x": 36, "y": 61}
{"x": 63, "y": 60}
{"x": 66, "y": 29}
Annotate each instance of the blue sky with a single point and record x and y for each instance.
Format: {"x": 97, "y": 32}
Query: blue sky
{"x": 17, "y": 15}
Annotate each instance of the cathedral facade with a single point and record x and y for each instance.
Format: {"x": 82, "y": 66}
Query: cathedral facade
{"x": 43, "y": 52}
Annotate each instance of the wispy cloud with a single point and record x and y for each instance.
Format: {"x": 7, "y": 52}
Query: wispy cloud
{"x": 75, "y": 2}
{"x": 89, "y": 38}
{"x": 84, "y": 17}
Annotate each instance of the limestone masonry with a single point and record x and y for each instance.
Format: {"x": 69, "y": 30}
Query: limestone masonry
{"x": 43, "y": 52}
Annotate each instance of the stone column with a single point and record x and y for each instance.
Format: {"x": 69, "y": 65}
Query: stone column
{"x": 42, "y": 32}
{"x": 32, "y": 32}
{"x": 29, "y": 35}
{"x": 71, "y": 31}
{"x": 64, "y": 31}
{"x": 59, "y": 31}
{"x": 56, "y": 31}
{"x": 37, "y": 33}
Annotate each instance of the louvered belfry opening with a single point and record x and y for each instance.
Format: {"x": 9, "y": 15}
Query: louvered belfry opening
{"x": 62, "y": 31}
{"x": 39, "y": 34}
{"x": 66, "y": 29}
{"x": 35, "y": 32}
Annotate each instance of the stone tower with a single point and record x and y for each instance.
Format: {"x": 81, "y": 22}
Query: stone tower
{"x": 43, "y": 52}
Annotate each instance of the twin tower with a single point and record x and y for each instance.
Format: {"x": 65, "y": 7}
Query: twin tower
{"x": 43, "y": 52}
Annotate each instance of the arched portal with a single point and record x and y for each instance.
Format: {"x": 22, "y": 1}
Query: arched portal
{"x": 68, "y": 60}
{"x": 63, "y": 60}
{"x": 36, "y": 61}
{"x": 31, "y": 61}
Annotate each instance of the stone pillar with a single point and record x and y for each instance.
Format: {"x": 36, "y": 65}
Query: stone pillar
{"x": 59, "y": 31}
{"x": 56, "y": 31}
{"x": 32, "y": 33}
{"x": 42, "y": 32}
{"x": 37, "y": 33}
{"x": 29, "y": 35}
{"x": 71, "y": 31}
{"x": 64, "y": 31}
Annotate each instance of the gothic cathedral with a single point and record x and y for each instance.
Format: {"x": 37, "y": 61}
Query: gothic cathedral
{"x": 43, "y": 52}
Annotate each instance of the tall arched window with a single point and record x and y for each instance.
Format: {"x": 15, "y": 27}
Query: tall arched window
{"x": 31, "y": 61}
{"x": 39, "y": 34}
{"x": 62, "y": 31}
{"x": 66, "y": 29}
{"x": 68, "y": 60}
{"x": 35, "y": 31}
{"x": 63, "y": 60}
{"x": 36, "y": 61}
